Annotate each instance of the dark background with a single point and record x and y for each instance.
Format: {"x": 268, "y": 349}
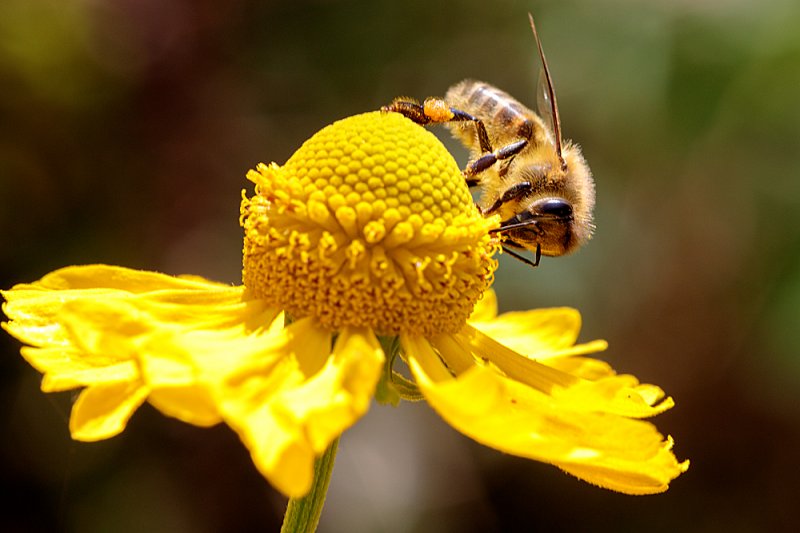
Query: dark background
{"x": 126, "y": 128}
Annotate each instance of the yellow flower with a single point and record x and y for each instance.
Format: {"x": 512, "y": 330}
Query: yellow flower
{"x": 368, "y": 233}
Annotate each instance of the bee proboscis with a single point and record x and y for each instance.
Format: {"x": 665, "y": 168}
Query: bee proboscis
{"x": 539, "y": 184}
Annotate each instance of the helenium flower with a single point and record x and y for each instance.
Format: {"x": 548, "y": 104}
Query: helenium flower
{"x": 367, "y": 233}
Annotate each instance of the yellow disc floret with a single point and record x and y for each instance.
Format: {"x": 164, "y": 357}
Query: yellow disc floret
{"x": 368, "y": 224}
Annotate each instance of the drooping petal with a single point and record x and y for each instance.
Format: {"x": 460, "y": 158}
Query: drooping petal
{"x": 92, "y": 277}
{"x": 245, "y": 397}
{"x": 339, "y": 394}
{"x": 632, "y": 481}
{"x": 187, "y": 364}
{"x": 103, "y": 411}
{"x": 127, "y": 336}
{"x": 290, "y": 402}
{"x": 582, "y": 367}
{"x": 177, "y": 389}
{"x": 36, "y": 309}
{"x": 612, "y": 451}
{"x": 192, "y": 404}
{"x": 540, "y": 334}
{"x": 617, "y": 394}
{"x": 66, "y": 369}
{"x": 513, "y": 364}
{"x": 609, "y": 393}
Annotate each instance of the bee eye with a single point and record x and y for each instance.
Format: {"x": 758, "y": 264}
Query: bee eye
{"x": 555, "y": 207}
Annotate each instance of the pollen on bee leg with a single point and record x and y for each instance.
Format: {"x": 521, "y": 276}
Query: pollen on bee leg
{"x": 438, "y": 110}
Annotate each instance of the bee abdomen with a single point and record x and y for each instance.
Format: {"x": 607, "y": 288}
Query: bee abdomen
{"x": 498, "y": 110}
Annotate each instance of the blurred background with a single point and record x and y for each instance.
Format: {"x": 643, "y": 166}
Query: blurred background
{"x": 126, "y": 128}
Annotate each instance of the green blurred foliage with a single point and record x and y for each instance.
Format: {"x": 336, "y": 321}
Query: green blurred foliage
{"x": 126, "y": 128}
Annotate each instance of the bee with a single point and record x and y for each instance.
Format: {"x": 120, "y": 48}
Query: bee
{"x": 539, "y": 184}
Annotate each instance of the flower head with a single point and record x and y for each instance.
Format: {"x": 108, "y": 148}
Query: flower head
{"x": 367, "y": 230}
{"x": 368, "y": 224}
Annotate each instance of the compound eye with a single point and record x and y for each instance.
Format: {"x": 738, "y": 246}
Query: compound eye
{"x": 554, "y": 207}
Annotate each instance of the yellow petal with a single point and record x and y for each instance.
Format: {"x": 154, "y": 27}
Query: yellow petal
{"x": 582, "y": 367}
{"x": 610, "y": 393}
{"x": 625, "y": 455}
{"x": 616, "y": 394}
{"x": 181, "y": 367}
{"x": 102, "y": 411}
{"x": 211, "y": 309}
{"x": 632, "y": 482}
{"x": 244, "y": 388}
{"x": 537, "y": 333}
{"x": 114, "y": 277}
{"x": 513, "y": 364}
{"x": 339, "y": 394}
{"x": 292, "y": 401}
{"x": 36, "y": 309}
{"x": 192, "y": 404}
{"x": 248, "y": 396}
{"x": 127, "y": 332}
{"x": 66, "y": 369}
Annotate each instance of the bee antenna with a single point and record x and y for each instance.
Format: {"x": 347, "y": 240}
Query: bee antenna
{"x": 550, "y": 93}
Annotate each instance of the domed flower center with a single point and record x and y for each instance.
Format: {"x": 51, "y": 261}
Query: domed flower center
{"x": 368, "y": 224}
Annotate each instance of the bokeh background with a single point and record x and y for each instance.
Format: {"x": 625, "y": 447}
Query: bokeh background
{"x": 126, "y": 128}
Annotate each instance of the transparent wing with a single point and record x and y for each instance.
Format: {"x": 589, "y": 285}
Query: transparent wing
{"x": 544, "y": 107}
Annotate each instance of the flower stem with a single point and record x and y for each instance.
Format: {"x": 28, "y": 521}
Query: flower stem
{"x": 302, "y": 514}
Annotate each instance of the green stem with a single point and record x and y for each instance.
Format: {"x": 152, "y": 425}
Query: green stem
{"x": 302, "y": 515}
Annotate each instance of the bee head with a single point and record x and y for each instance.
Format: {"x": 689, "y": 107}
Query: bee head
{"x": 547, "y": 223}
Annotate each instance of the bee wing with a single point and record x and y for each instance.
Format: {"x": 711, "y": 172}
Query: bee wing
{"x": 555, "y": 122}
{"x": 544, "y": 107}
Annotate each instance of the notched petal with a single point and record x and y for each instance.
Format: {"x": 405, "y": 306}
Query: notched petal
{"x": 536, "y": 333}
{"x": 114, "y": 277}
{"x": 617, "y": 394}
{"x": 612, "y": 451}
{"x": 289, "y": 404}
{"x": 338, "y": 395}
{"x": 102, "y": 411}
{"x": 126, "y": 334}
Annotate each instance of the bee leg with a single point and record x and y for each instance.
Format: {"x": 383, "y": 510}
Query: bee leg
{"x": 410, "y": 109}
{"x": 515, "y": 192}
{"x": 436, "y": 111}
{"x": 515, "y": 255}
{"x": 485, "y": 161}
{"x": 480, "y": 129}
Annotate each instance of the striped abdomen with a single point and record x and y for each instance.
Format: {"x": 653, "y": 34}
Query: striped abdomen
{"x": 505, "y": 119}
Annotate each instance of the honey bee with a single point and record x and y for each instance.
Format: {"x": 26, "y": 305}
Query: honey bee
{"x": 539, "y": 184}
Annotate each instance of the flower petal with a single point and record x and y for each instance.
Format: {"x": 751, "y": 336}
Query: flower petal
{"x": 66, "y": 369}
{"x": 121, "y": 331}
{"x": 537, "y": 333}
{"x": 183, "y": 366}
{"x": 36, "y": 309}
{"x": 91, "y": 277}
{"x": 192, "y": 404}
{"x": 617, "y": 394}
{"x": 290, "y": 402}
{"x": 245, "y": 395}
{"x": 339, "y": 394}
{"x": 102, "y": 411}
{"x": 610, "y": 393}
{"x": 625, "y": 455}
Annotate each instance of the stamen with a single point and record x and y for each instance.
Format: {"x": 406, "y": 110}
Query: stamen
{"x": 369, "y": 223}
